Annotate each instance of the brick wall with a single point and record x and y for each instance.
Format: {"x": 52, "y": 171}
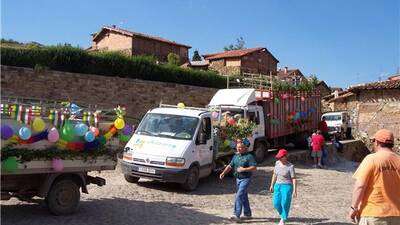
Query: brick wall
{"x": 112, "y": 41}
{"x": 259, "y": 62}
{"x": 137, "y": 95}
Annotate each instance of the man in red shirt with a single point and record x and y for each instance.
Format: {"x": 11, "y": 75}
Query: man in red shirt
{"x": 317, "y": 145}
{"x": 323, "y": 127}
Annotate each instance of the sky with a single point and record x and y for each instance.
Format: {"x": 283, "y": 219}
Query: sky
{"x": 343, "y": 42}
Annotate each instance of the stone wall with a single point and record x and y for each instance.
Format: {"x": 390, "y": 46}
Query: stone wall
{"x": 219, "y": 66}
{"x": 372, "y": 110}
{"x": 138, "y": 96}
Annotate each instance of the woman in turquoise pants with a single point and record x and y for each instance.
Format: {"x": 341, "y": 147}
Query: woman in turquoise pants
{"x": 283, "y": 185}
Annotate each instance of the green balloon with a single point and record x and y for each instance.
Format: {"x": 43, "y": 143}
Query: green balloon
{"x": 102, "y": 140}
{"x": 67, "y": 131}
{"x": 10, "y": 164}
{"x": 124, "y": 138}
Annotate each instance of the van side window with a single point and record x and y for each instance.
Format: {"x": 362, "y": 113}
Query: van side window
{"x": 206, "y": 127}
{"x": 254, "y": 117}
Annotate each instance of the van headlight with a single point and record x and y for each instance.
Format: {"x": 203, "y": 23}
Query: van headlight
{"x": 174, "y": 161}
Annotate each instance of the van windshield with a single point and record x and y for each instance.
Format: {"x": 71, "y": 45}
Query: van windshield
{"x": 169, "y": 126}
{"x": 333, "y": 117}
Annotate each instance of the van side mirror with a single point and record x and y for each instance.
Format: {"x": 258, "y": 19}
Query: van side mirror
{"x": 201, "y": 138}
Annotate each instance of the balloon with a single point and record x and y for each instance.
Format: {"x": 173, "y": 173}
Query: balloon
{"x": 57, "y": 164}
{"x": 89, "y": 136}
{"x": 124, "y": 138}
{"x": 181, "y": 105}
{"x": 277, "y": 101}
{"x": 102, "y": 140}
{"x": 226, "y": 143}
{"x": 119, "y": 123}
{"x": 246, "y": 142}
{"x": 38, "y": 124}
{"x": 6, "y": 132}
{"x": 215, "y": 115}
{"x": 80, "y": 129}
{"x": 231, "y": 121}
{"x": 25, "y": 133}
{"x": 232, "y": 144}
{"x": 53, "y": 135}
{"x": 127, "y": 130}
{"x": 67, "y": 131}
{"x": 95, "y": 130}
{"x": 10, "y": 164}
{"x": 303, "y": 98}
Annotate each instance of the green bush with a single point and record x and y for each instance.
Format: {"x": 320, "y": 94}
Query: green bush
{"x": 71, "y": 59}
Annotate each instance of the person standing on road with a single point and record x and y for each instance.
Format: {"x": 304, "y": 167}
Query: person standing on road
{"x": 323, "y": 127}
{"x": 243, "y": 164}
{"x": 376, "y": 193}
{"x": 283, "y": 185}
{"x": 317, "y": 145}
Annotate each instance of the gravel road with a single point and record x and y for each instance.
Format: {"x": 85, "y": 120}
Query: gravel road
{"x": 324, "y": 198}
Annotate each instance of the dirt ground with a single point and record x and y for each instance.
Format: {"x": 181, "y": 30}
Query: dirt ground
{"x": 324, "y": 199}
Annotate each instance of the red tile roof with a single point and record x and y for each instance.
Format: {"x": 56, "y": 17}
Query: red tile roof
{"x": 388, "y": 84}
{"x": 289, "y": 73}
{"x": 235, "y": 53}
{"x": 131, "y": 34}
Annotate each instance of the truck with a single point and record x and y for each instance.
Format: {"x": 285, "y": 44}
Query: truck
{"x": 339, "y": 123}
{"x": 178, "y": 144}
{"x": 58, "y": 179}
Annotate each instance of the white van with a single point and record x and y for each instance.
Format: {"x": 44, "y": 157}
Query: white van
{"x": 338, "y": 123}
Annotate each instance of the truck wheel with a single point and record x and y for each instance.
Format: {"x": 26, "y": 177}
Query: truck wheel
{"x": 131, "y": 179}
{"x": 192, "y": 179}
{"x": 259, "y": 152}
{"x": 63, "y": 197}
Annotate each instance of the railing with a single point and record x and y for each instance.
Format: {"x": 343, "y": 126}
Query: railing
{"x": 250, "y": 80}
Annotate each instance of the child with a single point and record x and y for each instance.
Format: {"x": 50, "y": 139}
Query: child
{"x": 283, "y": 185}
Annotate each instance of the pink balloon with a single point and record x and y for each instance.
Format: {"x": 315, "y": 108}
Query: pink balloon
{"x": 95, "y": 130}
{"x": 53, "y": 135}
{"x": 57, "y": 164}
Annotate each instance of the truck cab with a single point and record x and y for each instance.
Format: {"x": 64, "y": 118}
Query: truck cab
{"x": 171, "y": 145}
{"x": 338, "y": 123}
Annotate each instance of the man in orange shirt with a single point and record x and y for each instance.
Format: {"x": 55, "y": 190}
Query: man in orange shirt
{"x": 376, "y": 194}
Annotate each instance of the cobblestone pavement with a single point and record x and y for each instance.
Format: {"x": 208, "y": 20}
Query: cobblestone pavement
{"x": 324, "y": 198}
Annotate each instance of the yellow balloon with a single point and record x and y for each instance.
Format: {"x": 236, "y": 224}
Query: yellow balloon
{"x": 38, "y": 124}
{"x": 181, "y": 105}
{"x": 108, "y": 135}
{"x": 119, "y": 123}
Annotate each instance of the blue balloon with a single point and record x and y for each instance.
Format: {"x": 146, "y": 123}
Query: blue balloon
{"x": 89, "y": 136}
{"x": 246, "y": 142}
{"x": 80, "y": 129}
{"x": 25, "y": 133}
{"x": 232, "y": 144}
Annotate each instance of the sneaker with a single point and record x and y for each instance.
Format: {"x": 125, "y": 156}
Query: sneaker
{"x": 246, "y": 217}
{"x": 314, "y": 166}
{"x": 320, "y": 166}
{"x": 282, "y": 222}
{"x": 235, "y": 218}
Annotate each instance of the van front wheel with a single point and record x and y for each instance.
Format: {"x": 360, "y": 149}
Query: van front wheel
{"x": 259, "y": 152}
{"x": 192, "y": 179}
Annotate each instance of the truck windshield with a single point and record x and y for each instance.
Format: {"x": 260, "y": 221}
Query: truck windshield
{"x": 333, "y": 117}
{"x": 169, "y": 126}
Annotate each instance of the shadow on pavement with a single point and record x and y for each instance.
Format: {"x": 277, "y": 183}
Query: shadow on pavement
{"x": 212, "y": 185}
{"x": 115, "y": 211}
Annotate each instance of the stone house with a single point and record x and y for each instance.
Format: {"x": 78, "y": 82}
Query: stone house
{"x": 134, "y": 43}
{"x": 372, "y": 106}
{"x": 235, "y": 62}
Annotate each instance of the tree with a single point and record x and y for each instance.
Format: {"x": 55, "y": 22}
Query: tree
{"x": 240, "y": 44}
{"x": 173, "y": 59}
{"x": 196, "y": 56}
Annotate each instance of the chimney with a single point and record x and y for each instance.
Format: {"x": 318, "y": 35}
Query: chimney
{"x": 285, "y": 69}
{"x": 336, "y": 93}
{"x": 113, "y": 26}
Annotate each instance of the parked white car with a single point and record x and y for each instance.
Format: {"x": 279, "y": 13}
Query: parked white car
{"x": 338, "y": 123}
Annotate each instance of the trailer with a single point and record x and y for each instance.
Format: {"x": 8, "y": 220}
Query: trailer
{"x": 60, "y": 190}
